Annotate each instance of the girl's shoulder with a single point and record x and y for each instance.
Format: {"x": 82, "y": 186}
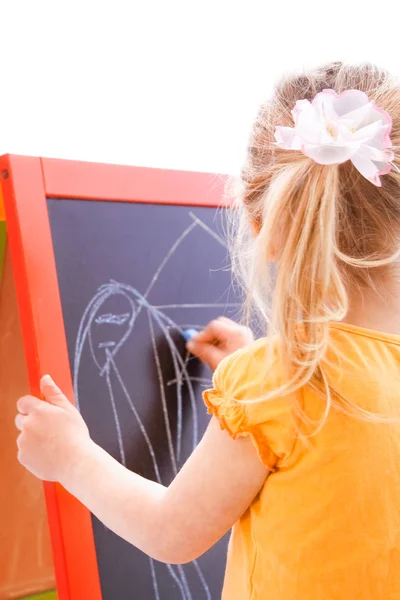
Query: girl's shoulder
{"x": 239, "y": 401}
{"x": 251, "y": 371}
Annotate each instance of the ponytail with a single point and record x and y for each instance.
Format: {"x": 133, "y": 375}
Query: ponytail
{"x": 319, "y": 229}
{"x": 298, "y": 234}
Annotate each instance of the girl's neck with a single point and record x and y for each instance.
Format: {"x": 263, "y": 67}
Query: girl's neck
{"x": 376, "y": 308}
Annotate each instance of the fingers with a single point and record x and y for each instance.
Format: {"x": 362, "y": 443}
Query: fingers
{"x": 52, "y": 393}
{"x": 219, "y": 339}
{"x": 207, "y": 344}
{"x": 20, "y": 421}
{"x": 215, "y": 331}
{"x": 221, "y": 331}
{"x": 207, "y": 353}
{"x": 27, "y": 404}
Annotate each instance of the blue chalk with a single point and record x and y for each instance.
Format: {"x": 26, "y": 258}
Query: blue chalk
{"x": 189, "y": 333}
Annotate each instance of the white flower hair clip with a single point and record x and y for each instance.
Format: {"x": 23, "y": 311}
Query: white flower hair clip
{"x": 335, "y": 128}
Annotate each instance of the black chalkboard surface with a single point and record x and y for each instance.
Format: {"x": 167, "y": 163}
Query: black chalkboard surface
{"x": 131, "y": 277}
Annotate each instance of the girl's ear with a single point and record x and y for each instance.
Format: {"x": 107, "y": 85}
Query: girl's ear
{"x": 255, "y": 226}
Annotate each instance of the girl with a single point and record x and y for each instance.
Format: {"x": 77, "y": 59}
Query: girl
{"x": 302, "y": 455}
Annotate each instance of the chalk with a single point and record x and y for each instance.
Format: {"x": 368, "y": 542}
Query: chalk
{"x": 188, "y": 334}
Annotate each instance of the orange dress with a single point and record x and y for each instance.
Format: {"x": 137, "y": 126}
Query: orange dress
{"x": 326, "y": 524}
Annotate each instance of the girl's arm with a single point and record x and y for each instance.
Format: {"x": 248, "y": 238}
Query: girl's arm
{"x": 172, "y": 524}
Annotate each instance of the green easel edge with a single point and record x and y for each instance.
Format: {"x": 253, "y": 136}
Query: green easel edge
{"x": 3, "y": 236}
{"x": 52, "y": 595}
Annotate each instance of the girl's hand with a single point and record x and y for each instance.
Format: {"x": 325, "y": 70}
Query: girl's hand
{"x": 219, "y": 339}
{"x": 53, "y": 433}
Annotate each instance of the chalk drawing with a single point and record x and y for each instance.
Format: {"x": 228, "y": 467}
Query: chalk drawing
{"x": 105, "y": 357}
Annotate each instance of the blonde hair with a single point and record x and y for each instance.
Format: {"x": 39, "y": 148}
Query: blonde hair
{"x": 326, "y": 227}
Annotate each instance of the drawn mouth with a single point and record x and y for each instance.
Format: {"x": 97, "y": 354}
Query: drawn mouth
{"x": 106, "y": 345}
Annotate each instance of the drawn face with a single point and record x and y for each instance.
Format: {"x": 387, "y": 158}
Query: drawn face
{"x": 112, "y": 322}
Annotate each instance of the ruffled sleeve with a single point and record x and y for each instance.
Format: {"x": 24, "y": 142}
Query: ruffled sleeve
{"x": 269, "y": 424}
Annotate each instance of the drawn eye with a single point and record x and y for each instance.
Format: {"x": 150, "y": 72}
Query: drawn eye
{"x": 112, "y": 319}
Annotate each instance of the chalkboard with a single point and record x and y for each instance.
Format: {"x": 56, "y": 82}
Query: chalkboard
{"x": 132, "y": 276}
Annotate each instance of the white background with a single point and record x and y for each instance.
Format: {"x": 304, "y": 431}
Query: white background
{"x": 166, "y": 83}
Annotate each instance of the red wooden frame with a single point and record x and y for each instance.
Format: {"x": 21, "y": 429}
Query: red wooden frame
{"x": 26, "y": 183}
